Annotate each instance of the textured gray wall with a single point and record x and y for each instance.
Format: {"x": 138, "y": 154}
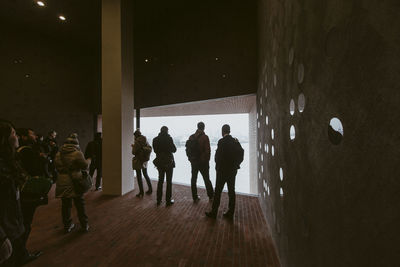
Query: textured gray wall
{"x": 337, "y": 205}
{"x": 46, "y": 84}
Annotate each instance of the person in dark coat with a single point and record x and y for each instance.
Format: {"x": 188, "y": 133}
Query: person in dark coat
{"x": 139, "y": 164}
{"x": 226, "y": 166}
{"x": 164, "y": 146}
{"x": 33, "y": 161}
{"x": 52, "y": 149}
{"x": 94, "y": 153}
{"x": 198, "y": 151}
{"x": 70, "y": 162}
{"x": 12, "y": 177}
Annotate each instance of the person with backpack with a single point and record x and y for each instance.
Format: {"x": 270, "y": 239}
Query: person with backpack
{"x": 164, "y": 147}
{"x": 141, "y": 151}
{"x": 198, "y": 152}
{"x": 228, "y": 157}
{"x": 94, "y": 153}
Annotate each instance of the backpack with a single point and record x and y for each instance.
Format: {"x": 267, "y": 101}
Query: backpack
{"x": 238, "y": 153}
{"x": 145, "y": 152}
{"x": 193, "y": 148}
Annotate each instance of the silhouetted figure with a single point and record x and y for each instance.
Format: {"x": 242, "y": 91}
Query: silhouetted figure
{"x": 52, "y": 149}
{"x": 33, "y": 161}
{"x": 12, "y": 177}
{"x": 70, "y": 162}
{"x": 94, "y": 153}
{"x": 228, "y": 157}
{"x": 163, "y": 146}
{"x": 198, "y": 152}
{"x": 141, "y": 151}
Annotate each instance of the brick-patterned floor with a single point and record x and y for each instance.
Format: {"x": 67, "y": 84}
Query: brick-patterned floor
{"x": 128, "y": 231}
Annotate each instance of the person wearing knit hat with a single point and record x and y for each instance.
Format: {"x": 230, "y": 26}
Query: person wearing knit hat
{"x": 70, "y": 162}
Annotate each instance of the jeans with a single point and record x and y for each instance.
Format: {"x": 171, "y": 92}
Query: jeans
{"x": 204, "y": 169}
{"x": 161, "y": 174}
{"x": 140, "y": 182}
{"x": 79, "y": 203}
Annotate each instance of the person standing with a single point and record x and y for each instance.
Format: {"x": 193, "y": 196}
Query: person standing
{"x": 164, "y": 147}
{"x": 52, "y": 149}
{"x": 70, "y": 162}
{"x": 228, "y": 157}
{"x": 12, "y": 177}
{"x": 141, "y": 151}
{"x": 198, "y": 152}
{"x": 94, "y": 153}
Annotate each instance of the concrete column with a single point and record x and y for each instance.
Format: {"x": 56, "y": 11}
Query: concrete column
{"x": 117, "y": 95}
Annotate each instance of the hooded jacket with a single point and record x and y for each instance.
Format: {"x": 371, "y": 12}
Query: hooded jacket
{"x": 69, "y": 163}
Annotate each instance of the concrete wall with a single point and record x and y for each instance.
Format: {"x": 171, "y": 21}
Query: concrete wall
{"x": 47, "y": 84}
{"x": 337, "y": 204}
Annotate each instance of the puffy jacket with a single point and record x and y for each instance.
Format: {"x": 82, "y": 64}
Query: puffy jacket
{"x": 69, "y": 163}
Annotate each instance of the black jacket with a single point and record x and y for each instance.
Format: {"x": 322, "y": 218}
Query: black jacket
{"x": 164, "y": 146}
{"x": 226, "y": 154}
{"x": 94, "y": 151}
{"x": 11, "y": 222}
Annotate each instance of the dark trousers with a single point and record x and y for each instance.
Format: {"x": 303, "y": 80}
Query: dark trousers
{"x": 19, "y": 254}
{"x": 140, "y": 182}
{"x": 205, "y": 172}
{"x": 99, "y": 174}
{"x": 222, "y": 178}
{"x": 28, "y": 209}
{"x": 161, "y": 175}
{"x": 79, "y": 203}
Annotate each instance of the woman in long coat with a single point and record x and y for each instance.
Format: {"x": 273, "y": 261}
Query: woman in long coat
{"x": 70, "y": 162}
{"x": 139, "y": 164}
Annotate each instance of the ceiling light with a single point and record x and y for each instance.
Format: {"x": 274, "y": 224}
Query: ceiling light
{"x": 146, "y": 60}
{"x": 61, "y": 17}
{"x": 40, "y": 3}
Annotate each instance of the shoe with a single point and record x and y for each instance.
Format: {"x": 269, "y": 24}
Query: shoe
{"x": 139, "y": 195}
{"x": 85, "y": 228}
{"x": 98, "y": 188}
{"x": 169, "y": 203}
{"x": 69, "y": 228}
{"x": 148, "y": 192}
{"x": 197, "y": 198}
{"x": 32, "y": 256}
{"x": 211, "y": 214}
{"x": 228, "y": 214}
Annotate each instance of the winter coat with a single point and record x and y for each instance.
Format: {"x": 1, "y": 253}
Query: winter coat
{"x": 137, "y": 147}
{"x": 226, "y": 153}
{"x": 69, "y": 163}
{"x": 164, "y": 146}
{"x": 11, "y": 221}
{"x": 204, "y": 146}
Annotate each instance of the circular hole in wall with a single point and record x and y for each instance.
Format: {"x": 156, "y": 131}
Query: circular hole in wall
{"x": 261, "y": 112}
{"x": 300, "y": 73}
{"x": 266, "y": 92}
{"x": 268, "y": 190}
{"x": 301, "y": 102}
{"x": 281, "y": 173}
{"x": 275, "y": 80}
{"x": 291, "y": 107}
{"x": 291, "y": 56}
{"x": 266, "y": 120}
{"x": 335, "y": 131}
{"x": 292, "y": 132}
{"x": 258, "y": 125}
{"x": 267, "y": 149}
{"x": 272, "y": 150}
{"x": 272, "y": 134}
{"x": 281, "y": 191}
{"x": 262, "y": 157}
{"x": 262, "y": 169}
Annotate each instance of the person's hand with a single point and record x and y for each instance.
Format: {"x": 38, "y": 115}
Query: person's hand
{"x": 5, "y": 250}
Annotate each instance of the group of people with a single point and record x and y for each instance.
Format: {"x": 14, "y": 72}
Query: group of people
{"x": 26, "y": 159}
{"x": 228, "y": 158}
{"x": 29, "y": 165}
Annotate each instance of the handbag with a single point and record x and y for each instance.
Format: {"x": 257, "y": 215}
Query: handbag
{"x": 37, "y": 186}
{"x": 83, "y": 184}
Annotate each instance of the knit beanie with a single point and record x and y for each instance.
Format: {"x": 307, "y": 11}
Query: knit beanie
{"x": 72, "y": 139}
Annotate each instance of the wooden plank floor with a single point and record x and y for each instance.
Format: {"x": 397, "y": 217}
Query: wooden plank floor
{"x": 128, "y": 231}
